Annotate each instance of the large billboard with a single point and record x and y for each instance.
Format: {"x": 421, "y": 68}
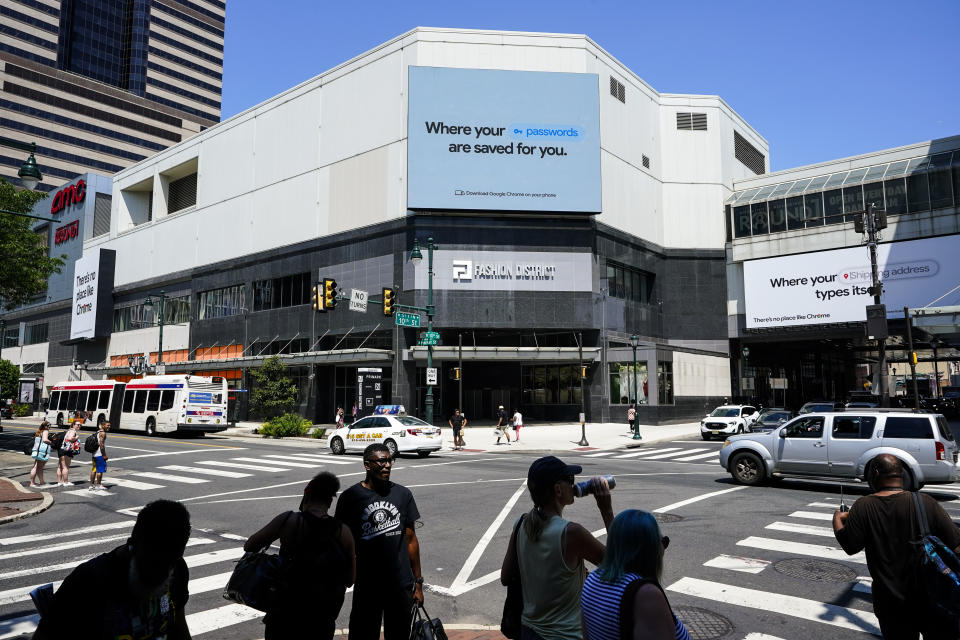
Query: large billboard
{"x": 831, "y": 286}
{"x": 464, "y": 270}
{"x": 503, "y": 140}
{"x": 92, "y": 310}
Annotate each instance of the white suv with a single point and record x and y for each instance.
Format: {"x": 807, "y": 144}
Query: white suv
{"x": 728, "y": 420}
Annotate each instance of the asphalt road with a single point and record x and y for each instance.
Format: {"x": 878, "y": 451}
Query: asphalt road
{"x": 741, "y": 560}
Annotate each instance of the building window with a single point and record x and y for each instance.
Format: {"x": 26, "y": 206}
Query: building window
{"x": 691, "y": 121}
{"x": 220, "y": 303}
{"x": 551, "y": 384}
{"x": 629, "y": 284}
{"x": 32, "y": 368}
{"x": 175, "y": 311}
{"x": 665, "y": 382}
{"x": 745, "y": 152}
{"x": 621, "y": 382}
{"x": 618, "y": 90}
{"x": 182, "y": 193}
{"x": 101, "y": 214}
{"x": 35, "y": 333}
{"x": 278, "y": 293}
{"x": 264, "y": 348}
{"x": 11, "y": 336}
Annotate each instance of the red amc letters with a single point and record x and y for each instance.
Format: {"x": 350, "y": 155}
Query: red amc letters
{"x": 66, "y": 232}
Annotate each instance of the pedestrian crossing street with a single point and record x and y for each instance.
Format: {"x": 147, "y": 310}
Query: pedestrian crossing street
{"x": 675, "y": 452}
{"x": 204, "y": 471}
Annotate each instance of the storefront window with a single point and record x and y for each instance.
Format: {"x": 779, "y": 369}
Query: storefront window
{"x": 665, "y": 382}
{"x": 778, "y": 215}
{"x": 741, "y": 221}
{"x": 551, "y": 384}
{"x": 621, "y": 382}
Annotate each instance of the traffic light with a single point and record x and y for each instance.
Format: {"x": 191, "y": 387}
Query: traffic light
{"x": 317, "y": 298}
{"x": 389, "y": 299}
{"x": 455, "y": 373}
{"x": 858, "y": 223}
{"x": 913, "y": 357}
{"x": 329, "y": 294}
{"x": 583, "y": 372}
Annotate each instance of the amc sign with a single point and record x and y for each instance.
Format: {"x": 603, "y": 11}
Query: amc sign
{"x": 73, "y": 194}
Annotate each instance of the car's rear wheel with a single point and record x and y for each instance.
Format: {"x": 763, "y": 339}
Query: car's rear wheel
{"x": 336, "y": 446}
{"x": 392, "y": 448}
{"x": 747, "y": 468}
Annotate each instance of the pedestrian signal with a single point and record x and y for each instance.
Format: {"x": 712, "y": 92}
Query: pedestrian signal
{"x": 583, "y": 372}
{"x": 329, "y": 294}
{"x": 317, "y": 298}
{"x": 389, "y": 299}
{"x": 913, "y": 357}
{"x": 455, "y": 373}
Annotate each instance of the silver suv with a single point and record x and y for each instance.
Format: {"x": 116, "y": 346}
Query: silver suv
{"x": 842, "y": 445}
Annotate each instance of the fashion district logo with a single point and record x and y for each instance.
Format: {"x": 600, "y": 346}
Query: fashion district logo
{"x": 379, "y": 518}
{"x": 462, "y": 270}
{"x": 467, "y": 271}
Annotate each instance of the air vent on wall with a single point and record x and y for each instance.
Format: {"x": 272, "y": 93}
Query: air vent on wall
{"x": 749, "y": 155}
{"x": 691, "y": 121}
{"x": 646, "y": 162}
{"x": 618, "y": 90}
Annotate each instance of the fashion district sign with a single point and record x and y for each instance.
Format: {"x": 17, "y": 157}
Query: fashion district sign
{"x": 517, "y": 271}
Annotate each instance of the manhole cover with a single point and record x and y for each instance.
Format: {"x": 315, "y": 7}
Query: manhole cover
{"x": 816, "y": 570}
{"x": 704, "y": 624}
{"x": 667, "y": 517}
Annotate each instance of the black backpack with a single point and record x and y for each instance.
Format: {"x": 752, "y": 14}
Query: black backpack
{"x": 939, "y": 565}
{"x": 92, "y": 443}
{"x": 56, "y": 439}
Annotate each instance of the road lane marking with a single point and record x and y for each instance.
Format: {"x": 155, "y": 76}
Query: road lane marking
{"x": 225, "y": 616}
{"x": 683, "y": 503}
{"x": 737, "y": 563}
{"x": 647, "y": 452}
{"x": 172, "y": 453}
{"x": 682, "y": 452}
{"x": 64, "y": 534}
{"x": 309, "y": 458}
{"x": 825, "y": 505}
{"x": 864, "y": 585}
{"x": 753, "y": 635}
{"x": 134, "y": 449}
{"x": 53, "y": 550}
{"x": 811, "y": 515}
{"x": 801, "y": 548}
{"x": 237, "y": 465}
{"x": 699, "y": 456}
{"x": 689, "y": 441}
{"x": 18, "y": 627}
{"x": 793, "y": 606}
{"x": 285, "y": 463}
{"x": 169, "y": 476}
{"x": 131, "y": 484}
{"x": 809, "y": 529}
{"x": 599, "y": 455}
{"x": 46, "y": 568}
{"x": 212, "y": 557}
{"x": 206, "y": 472}
{"x": 209, "y": 583}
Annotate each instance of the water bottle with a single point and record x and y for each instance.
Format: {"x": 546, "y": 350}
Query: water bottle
{"x": 582, "y": 489}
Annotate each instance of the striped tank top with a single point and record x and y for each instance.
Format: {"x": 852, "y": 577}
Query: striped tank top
{"x": 600, "y": 602}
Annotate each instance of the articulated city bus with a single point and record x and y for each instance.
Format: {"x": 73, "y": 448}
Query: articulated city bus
{"x": 153, "y": 404}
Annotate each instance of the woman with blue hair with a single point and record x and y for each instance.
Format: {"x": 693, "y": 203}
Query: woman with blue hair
{"x": 623, "y": 597}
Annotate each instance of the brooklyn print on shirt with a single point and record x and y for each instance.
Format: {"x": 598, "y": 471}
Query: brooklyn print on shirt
{"x": 380, "y": 518}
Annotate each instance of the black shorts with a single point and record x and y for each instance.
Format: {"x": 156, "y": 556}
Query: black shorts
{"x": 69, "y": 453}
{"x": 456, "y": 431}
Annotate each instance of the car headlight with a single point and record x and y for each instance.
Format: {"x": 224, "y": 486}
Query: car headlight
{"x": 726, "y": 443}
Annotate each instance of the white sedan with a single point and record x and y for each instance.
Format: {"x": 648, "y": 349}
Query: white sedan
{"x": 400, "y": 434}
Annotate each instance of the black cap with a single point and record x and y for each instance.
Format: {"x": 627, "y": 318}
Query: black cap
{"x": 550, "y": 469}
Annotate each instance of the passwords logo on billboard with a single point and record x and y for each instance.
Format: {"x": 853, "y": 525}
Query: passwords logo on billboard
{"x": 531, "y": 131}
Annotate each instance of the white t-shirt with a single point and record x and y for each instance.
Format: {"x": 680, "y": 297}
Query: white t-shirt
{"x": 517, "y": 419}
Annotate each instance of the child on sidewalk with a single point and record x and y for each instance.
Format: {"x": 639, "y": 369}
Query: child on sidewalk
{"x": 99, "y": 466}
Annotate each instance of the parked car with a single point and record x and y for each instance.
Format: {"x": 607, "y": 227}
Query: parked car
{"x": 770, "y": 418}
{"x": 843, "y": 445}
{"x": 946, "y": 406}
{"x": 820, "y": 406}
{"x": 400, "y": 434}
{"x": 728, "y": 419}
{"x": 861, "y": 404}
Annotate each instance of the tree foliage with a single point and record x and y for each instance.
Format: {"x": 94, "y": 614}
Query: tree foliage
{"x": 25, "y": 265}
{"x": 273, "y": 392}
{"x": 9, "y": 379}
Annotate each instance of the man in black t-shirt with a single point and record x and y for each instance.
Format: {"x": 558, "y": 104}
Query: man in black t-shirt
{"x": 885, "y": 525}
{"x": 138, "y": 590}
{"x": 502, "y": 422}
{"x": 382, "y": 515}
{"x": 457, "y": 422}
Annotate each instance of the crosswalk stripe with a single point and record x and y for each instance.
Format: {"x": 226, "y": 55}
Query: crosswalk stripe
{"x": 206, "y": 472}
{"x": 737, "y": 563}
{"x": 825, "y": 505}
{"x": 753, "y": 635}
{"x": 52, "y": 550}
{"x": 680, "y": 453}
{"x": 793, "y": 606}
{"x": 131, "y": 484}
{"x": 238, "y": 465}
{"x": 36, "y": 537}
{"x": 208, "y": 583}
{"x": 599, "y": 455}
{"x": 212, "y": 557}
{"x": 801, "y": 548}
{"x": 306, "y": 457}
{"x": 647, "y": 452}
{"x": 285, "y": 463}
{"x": 699, "y": 456}
{"x": 809, "y": 529}
{"x": 169, "y": 477}
{"x": 46, "y": 568}
{"x": 213, "y": 619}
{"x": 17, "y": 627}
{"x": 864, "y": 584}
{"x": 811, "y": 515}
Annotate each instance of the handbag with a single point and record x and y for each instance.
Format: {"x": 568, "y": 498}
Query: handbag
{"x": 424, "y": 627}
{"x": 40, "y": 452}
{"x": 510, "y": 622}
{"x": 259, "y": 579}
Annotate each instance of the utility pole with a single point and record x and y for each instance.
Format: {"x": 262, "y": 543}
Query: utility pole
{"x": 583, "y": 413}
{"x": 460, "y": 369}
{"x": 913, "y": 358}
{"x": 871, "y": 222}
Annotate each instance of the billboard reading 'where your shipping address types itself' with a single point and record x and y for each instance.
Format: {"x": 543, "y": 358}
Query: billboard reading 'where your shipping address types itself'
{"x": 831, "y": 286}
{"x": 503, "y": 140}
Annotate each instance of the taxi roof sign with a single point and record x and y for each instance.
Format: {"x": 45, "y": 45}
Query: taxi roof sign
{"x": 389, "y": 410}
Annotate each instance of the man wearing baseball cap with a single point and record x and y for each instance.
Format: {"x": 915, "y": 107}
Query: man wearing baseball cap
{"x": 502, "y": 421}
{"x": 548, "y": 551}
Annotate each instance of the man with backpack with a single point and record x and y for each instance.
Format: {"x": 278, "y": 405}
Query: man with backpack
{"x": 96, "y": 444}
{"x": 886, "y": 524}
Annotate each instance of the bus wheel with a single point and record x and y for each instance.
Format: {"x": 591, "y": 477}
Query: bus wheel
{"x": 151, "y": 427}
{"x": 60, "y": 420}
{"x": 100, "y": 420}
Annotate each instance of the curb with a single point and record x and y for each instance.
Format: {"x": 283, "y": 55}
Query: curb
{"x": 45, "y": 504}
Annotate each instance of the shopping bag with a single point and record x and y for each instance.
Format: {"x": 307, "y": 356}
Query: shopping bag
{"x": 424, "y": 627}
{"x": 258, "y": 581}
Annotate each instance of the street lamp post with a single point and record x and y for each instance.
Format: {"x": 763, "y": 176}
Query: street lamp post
{"x": 148, "y": 304}
{"x": 634, "y": 341}
{"x": 583, "y": 410}
{"x": 415, "y": 258}
{"x": 29, "y": 172}
{"x": 3, "y": 335}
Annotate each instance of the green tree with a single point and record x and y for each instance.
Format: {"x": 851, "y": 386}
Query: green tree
{"x": 25, "y": 265}
{"x": 9, "y": 379}
{"x": 273, "y": 392}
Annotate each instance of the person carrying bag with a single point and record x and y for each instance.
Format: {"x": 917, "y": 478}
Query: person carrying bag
{"x": 40, "y": 454}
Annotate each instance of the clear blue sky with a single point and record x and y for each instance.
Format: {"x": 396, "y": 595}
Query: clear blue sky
{"x": 819, "y": 80}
